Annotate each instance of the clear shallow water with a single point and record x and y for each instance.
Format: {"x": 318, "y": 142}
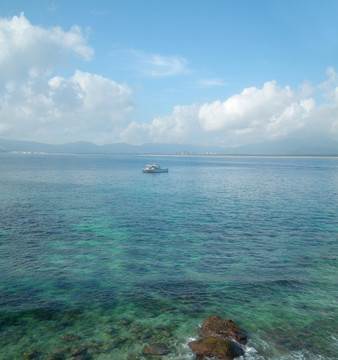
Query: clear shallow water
{"x": 90, "y": 246}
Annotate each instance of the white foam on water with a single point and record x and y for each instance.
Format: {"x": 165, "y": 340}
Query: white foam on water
{"x": 250, "y": 353}
{"x": 181, "y": 350}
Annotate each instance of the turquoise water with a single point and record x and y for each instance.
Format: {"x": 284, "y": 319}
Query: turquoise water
{"x": 95, "y": 255}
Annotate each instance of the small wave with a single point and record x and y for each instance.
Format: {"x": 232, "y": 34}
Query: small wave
{"x": 181, "y": 350}
{"x": 250, "y": 353}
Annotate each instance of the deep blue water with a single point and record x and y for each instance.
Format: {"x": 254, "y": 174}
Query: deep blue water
{"x": 90, "y": 246}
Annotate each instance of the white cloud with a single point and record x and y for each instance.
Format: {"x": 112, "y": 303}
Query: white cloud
{"x": 38, "y": 104}
{"x": 258, "y": 114}
{"x": 179, "y": 127}
{"x": 155, "y": 65}
{"x": 329, "y": 87}
{"x": 254, "y": 115}
{"x": 290, "y": 120}
{"x": 83, "y": 107}
{"x": 251, "y": 108}
{"x": 29, "y": 51}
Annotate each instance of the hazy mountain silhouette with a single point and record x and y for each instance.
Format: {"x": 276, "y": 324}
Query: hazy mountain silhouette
{"x": 299, "y": 146}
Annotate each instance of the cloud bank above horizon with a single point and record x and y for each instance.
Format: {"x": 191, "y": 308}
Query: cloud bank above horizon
{"x": 37, "y": 103}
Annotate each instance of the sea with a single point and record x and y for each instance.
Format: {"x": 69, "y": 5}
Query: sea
{"x": 98, "y": 260}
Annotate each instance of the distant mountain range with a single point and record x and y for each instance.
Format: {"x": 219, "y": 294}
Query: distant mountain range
{"x": 291, "y": 147}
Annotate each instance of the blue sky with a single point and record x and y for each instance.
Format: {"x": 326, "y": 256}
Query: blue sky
{"x": 203, "y": 72}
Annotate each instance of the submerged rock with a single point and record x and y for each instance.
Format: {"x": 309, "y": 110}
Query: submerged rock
{"x": 70, "y": 337}
{"x": 216, "y": 347}
{"x": 30, "y": 354}
{"x": 122, "y": 322}
{"x": 214, "y": 326}
{"x": 92, "y": 346}
{"x": 110, "y": 331}
{"x": 133, "y": 356}
{"x": 59, "y": 353}
{"x": 155, "y": 349}
{"x": 79, "y": 351}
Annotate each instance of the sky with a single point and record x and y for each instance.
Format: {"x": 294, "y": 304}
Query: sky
{"x": 216, "y": 72}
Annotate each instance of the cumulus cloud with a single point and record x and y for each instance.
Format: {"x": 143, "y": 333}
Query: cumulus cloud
{"x": 330, "y": 86}
{"x": 179, "y": 127}
{"x": 84, "y": 107}
{"x": 254, "y": 115}
{"x": 269, "y": 112}
{"x": 35, "y": 105}
{"x": 259, "y": 114}
{"x": 249, "y": 109}
{"x": 29, "y": 51}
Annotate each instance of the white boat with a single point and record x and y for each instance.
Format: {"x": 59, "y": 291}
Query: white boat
{"x": 154, "y": 169}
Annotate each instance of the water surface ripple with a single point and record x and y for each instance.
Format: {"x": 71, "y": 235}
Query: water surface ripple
{"x": 96, "y": 255}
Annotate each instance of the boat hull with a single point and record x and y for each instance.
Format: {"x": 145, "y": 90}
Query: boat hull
{"x": 154, "y": 171}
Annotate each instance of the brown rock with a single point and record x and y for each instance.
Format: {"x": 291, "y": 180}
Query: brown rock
{"x": 216, "y": 347}
{"x": 155, "y": 349}
{"x": 59, "y": 353}
{"x": 214, "y": 326}
{"x": 70, "y": 337}
{"x": 79, "y": 351}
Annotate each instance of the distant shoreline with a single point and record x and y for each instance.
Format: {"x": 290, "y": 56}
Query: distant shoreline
{"x": 235, "y": 156}
{"x": 171, "y": 155}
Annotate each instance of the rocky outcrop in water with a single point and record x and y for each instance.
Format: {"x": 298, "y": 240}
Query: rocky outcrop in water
{"x": 216, "y": 347}
{"x": 221, "y": 338}
{"x": 214, "y": 326}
